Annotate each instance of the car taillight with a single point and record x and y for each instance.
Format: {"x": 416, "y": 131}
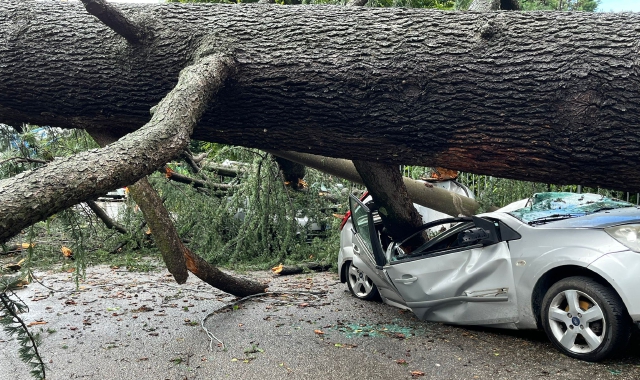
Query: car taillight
{"x": 348, "y": 214}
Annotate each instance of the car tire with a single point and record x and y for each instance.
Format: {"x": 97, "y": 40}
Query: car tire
{"x": 585, "y": 319}
{"x": 360, "y": 285}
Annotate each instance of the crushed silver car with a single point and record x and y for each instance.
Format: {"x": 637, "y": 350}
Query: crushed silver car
{"x": 563, "y": 262}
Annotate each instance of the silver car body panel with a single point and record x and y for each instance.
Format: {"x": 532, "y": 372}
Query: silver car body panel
{"x": 543, "y": 248}
{"x": 468, "y": 286}
{"x": 345, "y": 255}
{"x": 453, "y": 287}
{"x": 621, "y": 270}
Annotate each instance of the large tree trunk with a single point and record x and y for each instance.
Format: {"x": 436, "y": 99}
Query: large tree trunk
{"x": 534, "y": 96}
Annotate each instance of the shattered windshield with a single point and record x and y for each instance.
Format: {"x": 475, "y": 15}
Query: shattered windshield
{"x": 549, "y": 207}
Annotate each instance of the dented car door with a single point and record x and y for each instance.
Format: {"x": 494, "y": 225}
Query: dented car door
{"x": 458, "y": 279}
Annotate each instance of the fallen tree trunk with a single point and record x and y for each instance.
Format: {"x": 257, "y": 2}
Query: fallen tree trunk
{"x": 526, "y": 95}
{"x": 419, "y": 192}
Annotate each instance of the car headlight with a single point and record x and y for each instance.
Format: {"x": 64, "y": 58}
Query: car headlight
{"x": 626, "y": 234}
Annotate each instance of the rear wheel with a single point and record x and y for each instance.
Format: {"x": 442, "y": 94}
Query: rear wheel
{"x": 360, "y": 284}
{"x": 585, "y": 319}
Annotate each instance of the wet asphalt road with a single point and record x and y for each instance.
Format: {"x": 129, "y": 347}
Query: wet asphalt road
{"x": 123, "y": 325}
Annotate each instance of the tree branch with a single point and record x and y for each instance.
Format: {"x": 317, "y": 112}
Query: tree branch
{"x": 34, "y": 195}
{"x": 162, "y": 229}
{"x": 198, "y": 183}
{"x": 421, "y": 193}
{"x": 100, "y": 213}
{"x": 115, "y": 19}
{"x": 175, "y": 254}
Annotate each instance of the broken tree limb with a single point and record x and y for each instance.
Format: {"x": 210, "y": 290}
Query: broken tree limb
{"x": 34, "y": 195}
{"x": 102, "y": 215}
{"x": 282, "y": 270}
{"x": 225, "y": 171}
{"x": 197, "y": 183}
{"x": 168, "y": 241}
{"x": 115, "y": 19}
{"x": 164, "y": 232}
{"x": 420, "y": 192}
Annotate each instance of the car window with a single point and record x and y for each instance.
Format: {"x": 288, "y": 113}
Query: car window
{"x": 360, "y": 220}
{"x": 442, "y": 237}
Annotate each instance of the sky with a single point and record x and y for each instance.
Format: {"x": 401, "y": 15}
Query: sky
{"x": 619, "y": 5}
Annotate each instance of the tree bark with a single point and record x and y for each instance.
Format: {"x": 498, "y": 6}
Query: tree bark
{"x": 32, "y": 196}
{"x": 526, "y": 95}
{"x": 162, "y": 229}
{"x": 421, "y": 193}
{"x": 399, "y": 217}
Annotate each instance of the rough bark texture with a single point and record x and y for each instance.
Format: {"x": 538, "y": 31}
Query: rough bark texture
{"x": 32, "y": 196}
{"x": 213, "y": 276}
{"x": 433, "y": 197}
{"x": 529, "y": 95}
{"x": 113, "y": 18}
{"x": 387, "y": 189}
{"x": 162, "y": 229}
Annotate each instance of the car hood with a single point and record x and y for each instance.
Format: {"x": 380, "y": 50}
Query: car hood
{"x": 601, "y": 219}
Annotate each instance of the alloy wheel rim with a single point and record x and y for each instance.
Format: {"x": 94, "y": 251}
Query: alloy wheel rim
{"x": 577, "y": 322}
{"x": 360, "y": 282}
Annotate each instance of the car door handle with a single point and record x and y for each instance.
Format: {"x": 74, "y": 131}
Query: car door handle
{"x": 356, "y": 249}
{"x": 407, "y": 280}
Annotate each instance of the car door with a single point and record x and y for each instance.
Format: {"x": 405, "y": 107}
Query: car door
{"x": 367, "y": 250}
{"x": 463, "y": 275}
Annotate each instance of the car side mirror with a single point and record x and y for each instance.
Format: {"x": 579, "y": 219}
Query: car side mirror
{"x": 490, "y": 229}
{"x": 472, "y": 236}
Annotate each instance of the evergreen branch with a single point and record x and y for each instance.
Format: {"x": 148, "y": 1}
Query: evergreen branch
{"x": 28, "y": 342}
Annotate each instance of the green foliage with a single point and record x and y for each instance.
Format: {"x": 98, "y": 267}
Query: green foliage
{"x": 258, "y": 222}
{"x": 11, "y": 306}
{"x": 559, "y": 5}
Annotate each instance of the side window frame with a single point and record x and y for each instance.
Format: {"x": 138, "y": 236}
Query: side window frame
{"x": 374, "y": 239}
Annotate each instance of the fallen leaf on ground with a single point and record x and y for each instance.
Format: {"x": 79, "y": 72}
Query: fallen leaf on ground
{"x": 319, "y": 332}
{"x": 417, "y": 373}
{"x": 37, "y": 323}
{"x": 401, "y": 361}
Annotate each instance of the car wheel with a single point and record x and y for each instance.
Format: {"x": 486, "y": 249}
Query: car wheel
{"x": 360, "y": 284}
{"x": 585, "y": 319}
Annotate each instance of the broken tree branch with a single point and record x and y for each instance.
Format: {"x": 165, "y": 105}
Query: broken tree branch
{"x": 421, "y": 193}
{"x": 197, "y": 183}
{"x": 225, "y": 171}
{"x": 162, "y": 228}
{"x": 100, "y": 213}
{"x": 30, "y": 196}
{"x": 115, "y": 19}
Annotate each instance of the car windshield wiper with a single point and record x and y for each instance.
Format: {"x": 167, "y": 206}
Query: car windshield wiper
{"x": 553, "y": 218}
